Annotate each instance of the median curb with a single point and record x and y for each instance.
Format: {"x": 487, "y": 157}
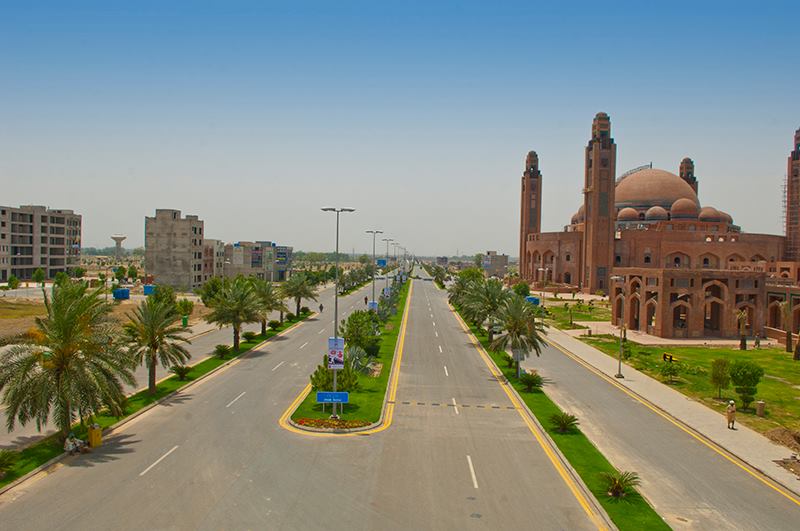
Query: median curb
{"x": 43, "y": 468}
{"x": 286, "y": 422}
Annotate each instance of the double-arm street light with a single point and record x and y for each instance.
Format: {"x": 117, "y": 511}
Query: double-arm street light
{"x": 620, "y": 279}
{"x": 337, "y": 210}
{"x": 385, "y": 269}
{"x": 374, "y": 265}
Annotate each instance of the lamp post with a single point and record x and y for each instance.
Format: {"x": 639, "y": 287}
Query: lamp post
{"x": 544, "y": 270}
{"x": 385, "y": 271}
{"x": 374, "y": 265}
{"x": 618, "y": 278}
{"x": 338, "y": 211}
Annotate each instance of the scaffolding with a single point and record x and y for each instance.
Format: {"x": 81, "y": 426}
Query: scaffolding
{"x": 791, "y": 218}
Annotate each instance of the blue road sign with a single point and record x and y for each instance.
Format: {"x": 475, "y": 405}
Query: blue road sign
{"x": 333, "y": 398}
{"x": 381, "y": 262}
{"x": 373, "y": 305}
{"x": 532, "y": 300}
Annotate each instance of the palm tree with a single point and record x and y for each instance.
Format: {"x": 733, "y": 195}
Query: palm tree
{"x": 458, "y": 289}
{"x": 741, "y": 316}
{"x": 482, "y": 302}
{"x": 154, "y": 336}
{"x": 523, "y": 331}
{"x": 234, "y": 305}
{"x": 269, "y": 300}
{"x": 298, "y": 287}
{"x": 74, "y": 368}
{"x": 786, "y": 312}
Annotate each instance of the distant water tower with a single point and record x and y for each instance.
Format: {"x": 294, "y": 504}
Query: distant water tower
{"x": 118, "y": 250}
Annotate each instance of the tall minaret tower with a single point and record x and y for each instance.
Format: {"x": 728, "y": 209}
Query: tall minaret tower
{"x": 686, "y": 172}
{"x": 792, "y": 249}
{"x": 598, "y": 202}
{"x": 531, "y": 209}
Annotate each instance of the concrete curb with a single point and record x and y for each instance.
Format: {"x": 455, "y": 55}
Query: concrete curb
{"x": 110, "y": 430}
{"x": 794, "y": 489}
{"x": 395, "y": 367}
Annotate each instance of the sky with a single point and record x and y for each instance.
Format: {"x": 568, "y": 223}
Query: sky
{"x": 253, "y": 115}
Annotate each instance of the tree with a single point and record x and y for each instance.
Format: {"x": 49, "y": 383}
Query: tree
{"x": 210, "y": 289}
{"x": 522, "y": 289}
{"x": 523, "y": 331}
{"x": 165, "y": 295}
{"x": 74, "y": 369}
{"x": 471, "y": 274}
{"x": 786, "y": 313}
{"x": 119, "y": 273}
{"x": 184, "y": 307}
{"x": 720, "y": 375}
{"x": 482, "y": 302}
{"x": 478, "y": 260}
{"x": 360, "y": 330}
{"x": 38, "y": 276}
{"x": 154, "y": 336}
{"x": 13, "y": 282}
{"x": 745, "y": 376}
{"x": 235, "y": 305}
{"x": 669, "y": 370}
{"x": 741, "y": 317}
{"x": 133, "y": 273}
{"x": 268, "y": 299}
{"x": 299, "y": 287}
{"x": 76, "y": 272}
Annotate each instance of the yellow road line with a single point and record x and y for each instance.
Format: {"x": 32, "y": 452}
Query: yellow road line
{"x": 283, "y": 421}
{"x": 697, "y": 436}
{"x": 534, "y": 429}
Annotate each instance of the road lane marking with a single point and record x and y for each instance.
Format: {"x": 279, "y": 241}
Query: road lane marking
{"x": 146, "y": 470}
{"x": 238, "y": 397}
{"x": 434, "y": 323}
{"x": 445, "y": 371}
{"x": 538, "y": 434}
{"x": 278, "y": 365}
{"x": 303, "y": 345}
{"x": 437, "y": 333}
{"x": 455, "y": 407}
{"x": 318, "y": 333}
{"x": 440, "y": 349}
{"x": 472, "y": 472}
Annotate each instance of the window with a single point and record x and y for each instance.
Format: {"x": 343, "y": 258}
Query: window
{"x": 647, "y": 259}
{"x": 617, "y": 259}
{"x": 568, "y": 257}
{"x": 706, "y": 262}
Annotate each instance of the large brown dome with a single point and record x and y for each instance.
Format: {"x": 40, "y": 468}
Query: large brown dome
{"x": 652, "y": 187}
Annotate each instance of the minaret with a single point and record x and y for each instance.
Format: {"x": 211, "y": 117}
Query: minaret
{"x": 598, "y": 202}
{"x": 686, "y": 172}
{"x": 531, "y": 208}
{"x": 792, "y": 249}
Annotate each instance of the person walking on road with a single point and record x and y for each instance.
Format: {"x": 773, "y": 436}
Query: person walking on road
{"x": 730, "y": 412}
{"x": 321, "y": 308}
{"x": 366, "y": 301}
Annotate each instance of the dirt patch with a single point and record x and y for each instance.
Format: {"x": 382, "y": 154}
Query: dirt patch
{"x": 791, "y": 464}
{"x": 375, "y": 369}
{"x": 788, "y": 438}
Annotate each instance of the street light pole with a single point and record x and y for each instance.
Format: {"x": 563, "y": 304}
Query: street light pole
{"x": 374, "y": 265}
{"x": 385, "y": 272}
{"x": 336, "y": 290}
{"x": 618, "y": 278}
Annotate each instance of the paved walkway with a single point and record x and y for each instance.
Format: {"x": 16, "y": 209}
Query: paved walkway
{"x": 605, "y": 327}
{"x": 744, "y": 443}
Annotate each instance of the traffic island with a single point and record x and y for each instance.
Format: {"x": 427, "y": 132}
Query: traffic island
{"x": 371, "y": 406}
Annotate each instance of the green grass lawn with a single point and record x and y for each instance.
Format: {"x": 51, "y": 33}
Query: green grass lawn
{"x": 559, "y": 313}
{"x": 780, "y": 387}
{"x": 631, "y": 512}
{"x": 50, "y": 447}
{"x": 366, "y": 403}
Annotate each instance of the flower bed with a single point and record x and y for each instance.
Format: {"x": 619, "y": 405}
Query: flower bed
{"x": 332, "y": 424}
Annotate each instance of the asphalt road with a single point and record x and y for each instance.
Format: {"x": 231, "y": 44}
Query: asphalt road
{"x": 201, "y": 347}
{"x": 216, "y": 458}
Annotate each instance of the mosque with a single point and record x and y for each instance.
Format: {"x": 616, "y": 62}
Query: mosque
{"x": 672, "y": 266}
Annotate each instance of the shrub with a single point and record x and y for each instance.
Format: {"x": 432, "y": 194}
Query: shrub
{"x": 509, "y": 359}
{"x": 249, "y": 336}
{"x": 221, "y": 351}
{"x": 745, "y": 376}
{"x": 274, "y": 325}
{"x": 8, "y": 458}
{"x": 13, "y": 282}
{"x": 564, "y": 422}
{"x": 305, "y": 310}
{"x": 321, "y": 378}
{"x": 290, "y": 316}
{"x": 619, "y": 484}
{"x": 185, "y": 307}
{"x": 668, "y": 371}
{"x": 181, "y": 371}
{"x": 530, "y": 380}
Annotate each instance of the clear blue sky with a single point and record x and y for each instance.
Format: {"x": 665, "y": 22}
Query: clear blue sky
{"x": 254, "y": 114}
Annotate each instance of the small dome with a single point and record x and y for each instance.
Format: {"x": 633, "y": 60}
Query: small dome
{"x": 683, "y": 209}
{"x": 656, "y": 213}
{"x": 628, "y": 214}
{"x": 726, "y": 217}
{"x": 710, "y": 214}
{"x": 579, "y": 216}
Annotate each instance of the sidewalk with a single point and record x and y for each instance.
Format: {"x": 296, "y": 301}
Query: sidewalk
{"x": 605, "y": 327}
{"x": 746, "y": 444}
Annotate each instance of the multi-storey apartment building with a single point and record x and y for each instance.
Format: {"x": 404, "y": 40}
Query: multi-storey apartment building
{"x": 495, "y": 265}
{"x": 174, "y": 249}
{"x": 283, "y": 262}
{"x": 213, "y": 258}
{"x": 33, "y": 237}
{"x": 250, "y": 259}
